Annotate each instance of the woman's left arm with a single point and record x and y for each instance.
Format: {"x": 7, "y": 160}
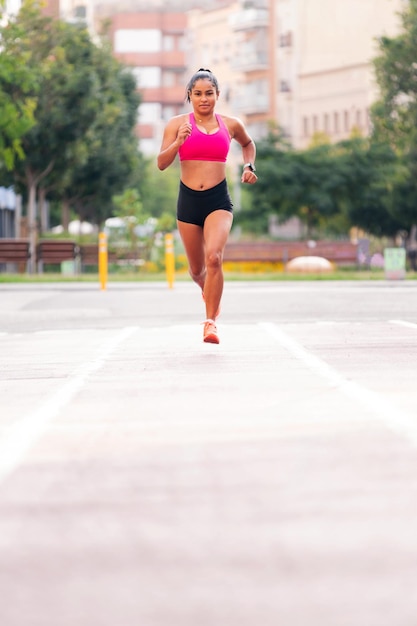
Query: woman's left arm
{"x": 240, "y": 134}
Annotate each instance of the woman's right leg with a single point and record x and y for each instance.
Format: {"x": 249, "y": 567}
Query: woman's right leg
{"x": 193, "y": 241}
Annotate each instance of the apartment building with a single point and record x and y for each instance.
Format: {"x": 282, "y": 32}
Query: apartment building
{"x": 236, "y": 42}
{"x": 234, "y": 38}
{"x": 10, "y": 213}
{"x": 252, "y": 26}
{"x": 76, "y": 12}
{"x": 209, "y": 44}
{"x": 150, "y": 36}
{"x": 324, "y": 62}
{"x": 303, "y": 64}
{"x": 152, "y": 44}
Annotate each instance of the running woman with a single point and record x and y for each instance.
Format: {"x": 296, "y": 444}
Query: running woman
{"x": 202, "y": 140}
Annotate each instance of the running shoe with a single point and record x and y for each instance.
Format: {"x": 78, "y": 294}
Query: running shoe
{"x": 218, "y": 310}
{"x": 210, "y": 332}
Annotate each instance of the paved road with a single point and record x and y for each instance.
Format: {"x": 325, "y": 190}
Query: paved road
{"x": 148, "y": 479}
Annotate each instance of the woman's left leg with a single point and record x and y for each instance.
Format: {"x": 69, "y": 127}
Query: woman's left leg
{"x": 193, "y": 241}
{"x": 216, "y": 231}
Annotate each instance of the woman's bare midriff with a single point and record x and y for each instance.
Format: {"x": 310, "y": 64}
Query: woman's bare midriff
{"x": 201, "y": 175}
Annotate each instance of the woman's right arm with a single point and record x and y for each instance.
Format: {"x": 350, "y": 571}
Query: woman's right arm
{"x": 175, "y": 134}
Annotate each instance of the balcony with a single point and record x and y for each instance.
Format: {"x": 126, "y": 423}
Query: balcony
{"x": 173, "y": 59}
{"x": 174, "y": 96}
{"x": 251, "y": 105}
{"x": 249, "y": 19}
{"x": 250, "y": 61}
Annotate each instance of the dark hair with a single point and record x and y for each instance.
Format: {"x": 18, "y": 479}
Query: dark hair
{"x": 201, "y": 73}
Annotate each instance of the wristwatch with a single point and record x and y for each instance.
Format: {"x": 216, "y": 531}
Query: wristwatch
{"x": 250, "y": 166}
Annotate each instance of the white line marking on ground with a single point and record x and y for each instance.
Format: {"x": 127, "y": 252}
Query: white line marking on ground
{"x": 21, "y": 436}
{"x": 403, "y": 323}
{"x": 393, "y": 417}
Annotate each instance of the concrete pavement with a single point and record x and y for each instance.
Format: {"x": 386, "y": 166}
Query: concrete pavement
{"x": 148, "y": 479}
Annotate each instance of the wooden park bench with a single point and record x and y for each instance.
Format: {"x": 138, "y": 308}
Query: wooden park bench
{"x": 55, "y": 252}
{"x": 88, "y": 253}
{"x": 339, "y": 252}
{"x": 16, "y": 251}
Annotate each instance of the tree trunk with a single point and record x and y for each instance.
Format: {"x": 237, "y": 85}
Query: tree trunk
{"x": 65, "y": 214}
{"x": 43, "y": 211}
{"x": 32, "y": 223}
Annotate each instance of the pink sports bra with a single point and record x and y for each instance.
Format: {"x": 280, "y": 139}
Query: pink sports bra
{"x": 202, "y": 147}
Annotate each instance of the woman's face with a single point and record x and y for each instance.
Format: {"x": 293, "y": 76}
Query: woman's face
{"x": 203, "y": 96}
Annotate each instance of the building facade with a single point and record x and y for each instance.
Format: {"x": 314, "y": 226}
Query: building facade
{"x": 252, "y": 26}
{"x": 234, "y": 38}
{"x": 304, "y": 65}
{"x": 10, "y": 213}
{"x": 324, "y": 60}
{"x": 152, "y": 44}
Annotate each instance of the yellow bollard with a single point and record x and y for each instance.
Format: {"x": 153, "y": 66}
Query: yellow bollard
{"x": 102, "y": 259}
{"x": 169, "y": 259}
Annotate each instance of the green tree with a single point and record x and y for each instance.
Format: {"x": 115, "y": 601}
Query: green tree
{"x": 394, "y": 115}
{"x": 317, "y": 186}
{"x": 129, "y": 207}
{"x": 17, "y": 101}
{"x": 111, "y": 161}
{"x": 304, "y": 183}
{"x": 58, "y": 56}
{"x": 370, "y": 171}
{"x": 271, "y": 192}
{"x": 159, "y": 193}
{"x": 82, "y": 145}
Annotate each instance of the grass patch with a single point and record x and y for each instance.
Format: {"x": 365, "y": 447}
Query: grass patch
{"x": 52, "y": 277}
{"x": 339, "y": 274}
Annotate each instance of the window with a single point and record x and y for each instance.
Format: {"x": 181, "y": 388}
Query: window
{"x": 346, "y": 121}
{"x": 168, "y": 43}
{"x": 336, "y": 122}
{"x": 182, "y": 43}
{"x": 168, "y": 79}
{"x": 285, "y": 40}
{"x": 226, "y": 51}
{"x": 306, "y": 127}
{"x": 168, "y": 112}
{"x": 257, "y": 88}
{"x": 137, "y": 40}
{"x": 80, "y": 12}
{"x": 367, "y": 120}
{"x": 147, "y": 77}
{"x": 149, "y": 113}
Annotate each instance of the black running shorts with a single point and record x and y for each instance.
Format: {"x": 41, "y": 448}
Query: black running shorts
{"x": 194, "y": 206}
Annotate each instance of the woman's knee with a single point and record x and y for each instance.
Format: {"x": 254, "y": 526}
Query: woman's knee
{"x": 214, "y": 259}
{"x": 197, "y": 273}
